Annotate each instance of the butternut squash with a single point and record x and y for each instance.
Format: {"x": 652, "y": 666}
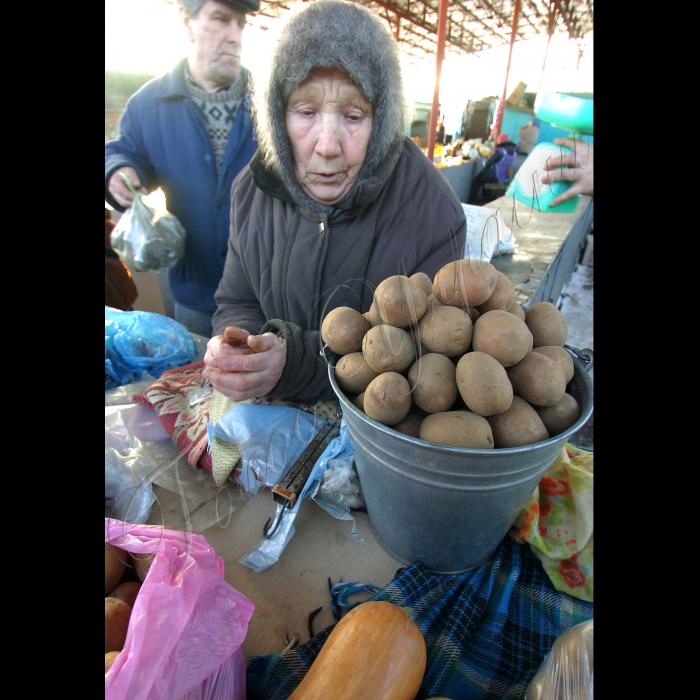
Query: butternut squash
{"x": 375, "y": 652}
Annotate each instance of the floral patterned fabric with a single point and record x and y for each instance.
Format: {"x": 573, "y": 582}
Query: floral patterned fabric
{"x": 557, "y": 522}
{"x": 186, "y": 425}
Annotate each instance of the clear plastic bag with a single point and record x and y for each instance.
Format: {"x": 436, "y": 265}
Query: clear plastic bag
{"x": 340, "y": 485}
{"x": 187, "y": 624}
{"x": 566, "y": 673}
{"x": 145, "y": 239}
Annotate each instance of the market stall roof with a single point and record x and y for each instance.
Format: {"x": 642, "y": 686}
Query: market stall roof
{"x": 472, "y": 25}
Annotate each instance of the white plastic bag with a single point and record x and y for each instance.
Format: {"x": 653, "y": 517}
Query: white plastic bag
{"x": 487, "y": 233}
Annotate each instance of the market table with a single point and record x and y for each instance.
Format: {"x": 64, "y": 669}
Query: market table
{"x": 548, "y": 246}
{"x": 323, "y": 548}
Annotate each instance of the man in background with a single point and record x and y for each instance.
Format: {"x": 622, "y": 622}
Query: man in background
{"x": 190, "y": 132}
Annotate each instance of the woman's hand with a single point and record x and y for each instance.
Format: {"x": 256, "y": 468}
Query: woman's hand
{"x": 243, "y": 366}
{"x": 576, "y": 167}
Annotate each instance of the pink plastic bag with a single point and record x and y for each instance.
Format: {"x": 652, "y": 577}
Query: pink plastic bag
{"x": 187, "y": 624}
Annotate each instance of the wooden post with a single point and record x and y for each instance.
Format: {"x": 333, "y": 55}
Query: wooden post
{"x": 550, "y": 31}
{"x": 502, "y": 107}
{"x": 442, "y": 31}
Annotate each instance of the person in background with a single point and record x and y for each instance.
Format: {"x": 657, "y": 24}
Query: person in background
{"x": 190, "y": 133}
{"x": 120, "y": 289}
{"x": 336, "y": 200}
{"x": 440, "y": 132}
{"x": 495, "y": 168}
{"x": 576, "y": 167}
{"x": 528, "y": 135}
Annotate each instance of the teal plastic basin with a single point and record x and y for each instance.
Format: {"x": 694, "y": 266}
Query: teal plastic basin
{"x": 565, "y": 111}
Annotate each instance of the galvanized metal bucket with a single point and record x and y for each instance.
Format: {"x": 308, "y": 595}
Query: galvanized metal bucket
{"x": 450, "y": 507}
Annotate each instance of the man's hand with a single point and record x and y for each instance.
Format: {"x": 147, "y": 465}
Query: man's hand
{"x": 243, "y": 366}
{"x": 118, "y": 188}
{"x": 576, "y": 167}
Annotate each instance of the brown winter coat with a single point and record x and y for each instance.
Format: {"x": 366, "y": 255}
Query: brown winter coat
{"x": 286, "y": 270}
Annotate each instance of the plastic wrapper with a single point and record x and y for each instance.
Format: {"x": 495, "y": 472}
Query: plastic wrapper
{"x": 269, "y": 550}
{"x": 187, "y": 624}
{"x": 566, "y": 673}
{"x": 340, "y": 485}
{"x": 145, "y": 239}
{"x": 487, "y": 233}
{"x": 140, "y": 454}
{"x": 271, "y": 439}
{"x": 139, "y": 344}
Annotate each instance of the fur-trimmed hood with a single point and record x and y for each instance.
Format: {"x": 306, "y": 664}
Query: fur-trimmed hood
{"x": 331, "y": 34}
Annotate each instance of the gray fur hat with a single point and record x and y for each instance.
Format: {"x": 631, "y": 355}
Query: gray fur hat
{"x": 192, "y": 7}
{"x": 331, "y": 34}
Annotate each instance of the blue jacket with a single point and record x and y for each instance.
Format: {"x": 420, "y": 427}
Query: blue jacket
{"x": 164, "y": 137}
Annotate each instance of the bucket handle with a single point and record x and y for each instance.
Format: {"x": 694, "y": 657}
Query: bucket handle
{"x": 585, "y": 356}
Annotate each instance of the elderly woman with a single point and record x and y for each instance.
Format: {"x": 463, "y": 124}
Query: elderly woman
{"x": 335, "y": 200}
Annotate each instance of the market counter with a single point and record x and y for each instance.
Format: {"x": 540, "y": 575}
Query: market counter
{"x": 548, "y": 247}
{"x": 287, "y": 592}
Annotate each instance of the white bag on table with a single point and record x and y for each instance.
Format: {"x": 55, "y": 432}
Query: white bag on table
{"x": 487, "y": 233}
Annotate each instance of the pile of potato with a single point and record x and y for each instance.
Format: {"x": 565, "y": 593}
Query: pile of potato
{"x": 456, "y": 361}
{"x": 124, "y": 574}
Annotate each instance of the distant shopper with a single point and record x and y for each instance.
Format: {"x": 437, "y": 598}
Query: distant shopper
{"x": 190, "y": 132}
{"x": 495, "y": 169}
{"x": 528, "y": 135}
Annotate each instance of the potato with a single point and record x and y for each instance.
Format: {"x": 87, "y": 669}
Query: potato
{"x": 457, "y": 429}
{"x": 117, "y": 614}
{"x": 465, "y": 283}
{"x": 432, "y": 301}
{"x": 110, "y": 658}
{"x": 519, "y": 425}
{"x": 388, "y": 398}
{"x": 359, "y": 401}
{"x": 410, "y": 425}
{"x": 503, "y": 336}
{"x": 547, "y": 324}
{"x": 516, "y": 310}
{"x": 421, "y": 279}
{"x": 353, "y": 374}
{"x": 388, "y": 349}
{"x": 343, "y": 330}
{"x": 432, "y": 379}
{"x": 447, "y": 330}
{"x": 142, "y": 563}
{"x": 400, "y": 302}
{"x": 483, "y": 384}
{"x": 126, "y": 591}
{"x": 372, "y": 316}
{"x": 115, "y": 563}
{"x": 537, "y": 379}
{"x": 561, "y": 416}
{"x": 561, "y": 356}
{"x": 501, "y": 298}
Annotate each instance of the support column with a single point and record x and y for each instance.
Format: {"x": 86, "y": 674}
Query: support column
{"x": 442, "y": 31}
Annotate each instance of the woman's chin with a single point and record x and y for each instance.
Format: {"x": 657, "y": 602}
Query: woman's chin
{"x": 327, "y": 194}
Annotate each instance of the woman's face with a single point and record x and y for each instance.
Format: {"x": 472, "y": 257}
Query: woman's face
{"x": 329, "y": 122}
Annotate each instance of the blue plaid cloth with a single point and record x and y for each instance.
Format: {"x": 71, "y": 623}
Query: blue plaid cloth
{"x": 486, "y": 631}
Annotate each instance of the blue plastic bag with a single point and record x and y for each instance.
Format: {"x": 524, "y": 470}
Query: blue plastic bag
{"x": 141, "y": 342}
